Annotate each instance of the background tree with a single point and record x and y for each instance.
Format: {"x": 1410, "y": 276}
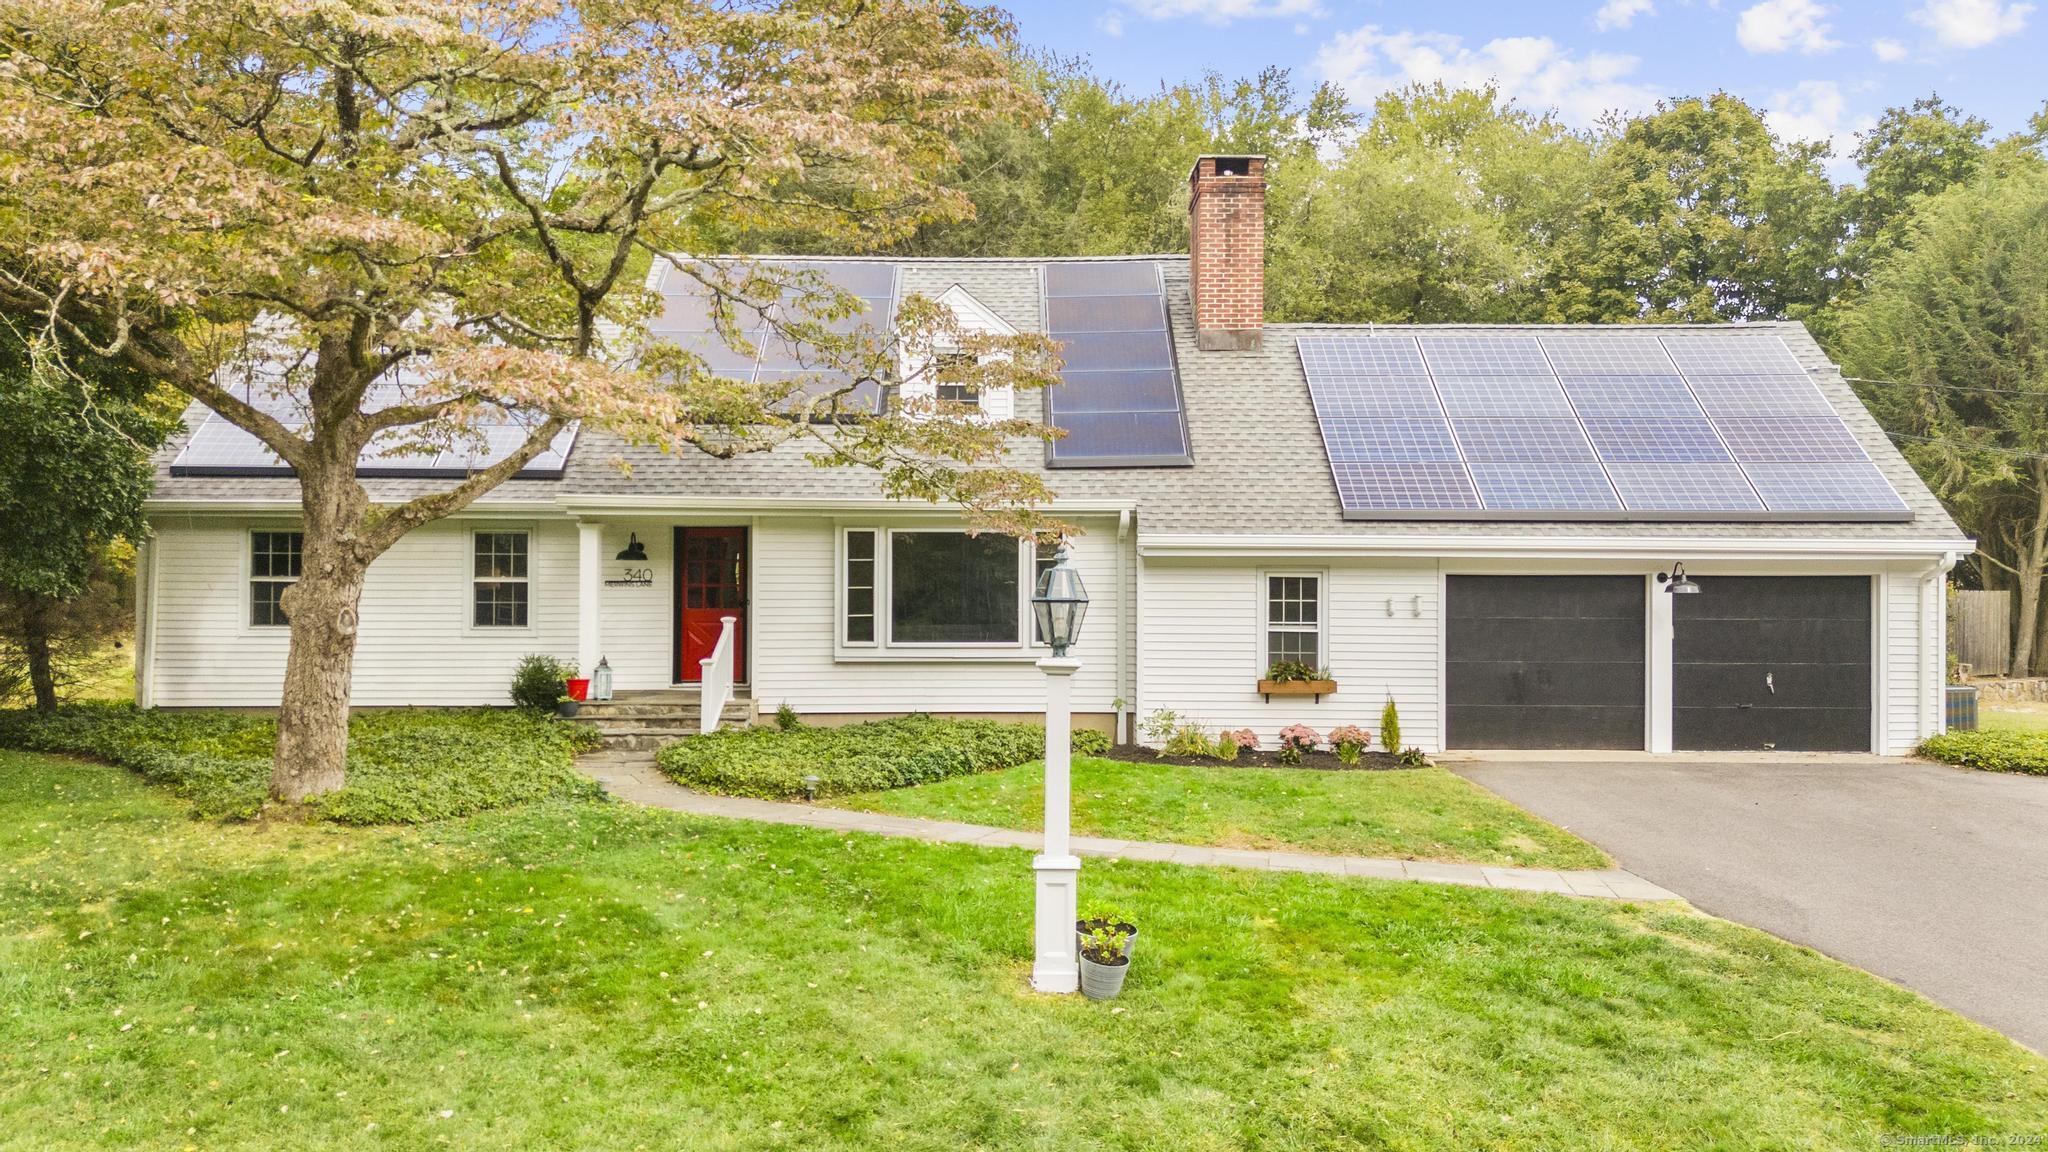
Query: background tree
{"x": 74, "y": 470}
{"x": 1699, "y": 212}
{"x": 393, "y": 217}
{"x": 1916, "y": 150}
{"x": 1952, "y": 331}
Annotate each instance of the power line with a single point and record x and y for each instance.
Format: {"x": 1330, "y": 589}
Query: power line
{"x": 2042, "y": 394}
{"x": 1966, "y": 446}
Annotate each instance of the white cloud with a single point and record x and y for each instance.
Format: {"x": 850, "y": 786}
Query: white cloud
{"x": 1621, "y": 13}
{"x": 1817, "y": 110}
{"x": 1110, "y": 23}
{"x": 1535, "y": 71}
{"x": 1971, "y": 23}
{"x": 1780, "y": 25}
{"x": 1223, "y": 11}
{"x": 1888, "y": 50}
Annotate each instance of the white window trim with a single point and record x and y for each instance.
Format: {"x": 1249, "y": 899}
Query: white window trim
{"x": 974, "y": 316}
{"x": 839, "y": 602}
{"x": 1020, "y": 649}
{"x": 249, "y": 627}
{"x": 471, "y": 580}
{"x": 1030, "y": 589}
{"x": 1322, "y": 629}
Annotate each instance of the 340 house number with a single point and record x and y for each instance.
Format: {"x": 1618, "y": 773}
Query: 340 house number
{"x": 632, "y": 577}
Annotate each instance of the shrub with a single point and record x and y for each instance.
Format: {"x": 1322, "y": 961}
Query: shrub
{"x": 771, "y": 763}
{"x": 1159, "y": 725}
{"x": 537, "y": 684}
{"x": 1349, "y": 740}
{"x": 787, "y": 719}
{"x": 404, "y": 766}
{"x": 1390, "y": 726}
{"x": 1412, "y": 758}
{"x": 2023, "y": 752}
{"x": 1190, "y": 739}
{"x": 1229, "y": 744}
{"x": 1296, "y": 739}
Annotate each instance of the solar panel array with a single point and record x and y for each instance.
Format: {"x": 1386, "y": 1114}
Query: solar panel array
{"x": 770, "y": 358}
{"x": 1119, "y": 400}
{"x": 219, "y": 448}
{"x": 1614, "y": 425}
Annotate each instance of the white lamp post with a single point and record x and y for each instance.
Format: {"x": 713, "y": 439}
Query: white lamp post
{"x": 1058, "y": 604}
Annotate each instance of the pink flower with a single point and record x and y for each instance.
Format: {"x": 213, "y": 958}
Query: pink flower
{"x": 1244, "y": 738}
{"x": 1300, "y": 737}
{"x": 1350, "y": 734}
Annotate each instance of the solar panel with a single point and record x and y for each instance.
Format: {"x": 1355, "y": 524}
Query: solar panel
{"x": 1684, "y": 488}
{"x": 1507, "y": 441}
{"x": 764, "y": 354}
{"x": 1655, "y": 440}
{"x": 1542, "y": 486}
{"x": 1401, "y": 487}
{"x": 1585, "y": 424}
{"x": 1480, "y": 397}
{"x": 219, "y": 448}
{"x": 1118, "y": 401}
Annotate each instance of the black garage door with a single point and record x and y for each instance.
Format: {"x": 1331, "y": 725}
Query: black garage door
{"x": 1544, "y": 661}
{"x": 1772, "y": 662}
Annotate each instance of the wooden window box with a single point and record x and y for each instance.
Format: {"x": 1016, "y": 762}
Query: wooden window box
{"x": 1315, "y": 688}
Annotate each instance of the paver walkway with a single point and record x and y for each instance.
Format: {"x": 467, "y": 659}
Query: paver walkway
{"x": 635, "y": 778}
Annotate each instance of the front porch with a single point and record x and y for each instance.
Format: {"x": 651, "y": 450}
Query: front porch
{"x": 642, "y": 721}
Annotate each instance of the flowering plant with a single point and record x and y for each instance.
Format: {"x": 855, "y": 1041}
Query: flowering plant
{"x": 1296, "y": 739}
{"x": 1229, "y": 743}
{"x": 1349, "y": 740}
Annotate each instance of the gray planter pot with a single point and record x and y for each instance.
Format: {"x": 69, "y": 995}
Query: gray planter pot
{"x": 1082, "y": 928}
{"x": 1103, "y": 981}
{"x": 568, "y": 708}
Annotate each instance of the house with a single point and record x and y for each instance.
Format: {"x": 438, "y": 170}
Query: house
{"x": 1477, "y": 522}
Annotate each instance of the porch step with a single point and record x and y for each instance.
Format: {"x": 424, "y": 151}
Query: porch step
{"x": 644, "y": 721}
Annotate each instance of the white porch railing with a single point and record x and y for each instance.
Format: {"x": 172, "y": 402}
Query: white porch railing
{"x": 716, "y": 682}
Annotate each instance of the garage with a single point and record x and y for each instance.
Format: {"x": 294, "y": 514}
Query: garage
{"x": 1772, "y": 662}
{"x": 1545, "y": 661}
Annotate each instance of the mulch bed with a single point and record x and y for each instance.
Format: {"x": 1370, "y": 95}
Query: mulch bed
{"x": 1261, "y": 758}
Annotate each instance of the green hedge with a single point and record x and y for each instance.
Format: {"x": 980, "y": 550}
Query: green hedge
{"x": 404, "y": 767}
{"x": 1992, "y": 751}
{"x": 771, "y": 763}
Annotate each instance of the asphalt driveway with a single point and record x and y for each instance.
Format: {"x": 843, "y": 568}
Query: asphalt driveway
{"x": 1930, "y": 876}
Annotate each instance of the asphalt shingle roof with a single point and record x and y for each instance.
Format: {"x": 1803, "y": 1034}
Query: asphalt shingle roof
{"x": 1259, "y": 464}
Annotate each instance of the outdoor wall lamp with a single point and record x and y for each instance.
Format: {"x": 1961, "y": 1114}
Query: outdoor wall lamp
{"x": 1677, "y": 582}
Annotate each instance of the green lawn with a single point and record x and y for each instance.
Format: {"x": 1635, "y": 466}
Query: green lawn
{"x": 1416, "y": 814}
{"x": 2014, "y": 718}
{"x": 595, "y": 976}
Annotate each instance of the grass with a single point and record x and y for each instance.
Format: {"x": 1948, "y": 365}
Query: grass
{"x": 600, "y": 976}
{"x": 404, "y": 766}
{"x": 1415, "y": 814}
{"x": 2014, "y": 718}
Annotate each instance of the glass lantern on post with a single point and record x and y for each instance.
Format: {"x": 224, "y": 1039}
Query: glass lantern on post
{"x": 1060, "y": 602}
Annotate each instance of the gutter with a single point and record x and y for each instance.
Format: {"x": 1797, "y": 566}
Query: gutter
{"x": 1544, "y": 547}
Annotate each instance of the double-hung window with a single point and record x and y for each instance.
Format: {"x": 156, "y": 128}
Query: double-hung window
{"x": 954, "y": 391}
{"x": 1294, "y": 619}
{"x": 498, "y": 580}
{"x": 275, "y": 562}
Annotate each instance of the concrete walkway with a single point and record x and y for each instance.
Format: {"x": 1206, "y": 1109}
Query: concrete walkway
{"x": 635, "y": 778}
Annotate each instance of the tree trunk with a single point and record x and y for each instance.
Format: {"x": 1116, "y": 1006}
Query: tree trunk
{"x": 35, "y": 643}
{"x": 2033, "y": 554}
{"x": 312, "y": 720}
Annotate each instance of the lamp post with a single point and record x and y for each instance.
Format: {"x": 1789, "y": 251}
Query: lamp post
{"x": 1058, "y": 604}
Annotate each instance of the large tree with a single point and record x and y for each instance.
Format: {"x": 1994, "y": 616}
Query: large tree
{"x": 407, "y": 215}
{"x": 1950, "y": 336}
{"x": 1699, "y": 212}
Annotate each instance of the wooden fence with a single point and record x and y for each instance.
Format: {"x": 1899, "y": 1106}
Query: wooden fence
{"x": 1981, "y": 631}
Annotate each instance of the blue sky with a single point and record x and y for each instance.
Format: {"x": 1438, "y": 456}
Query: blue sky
{"x": 1823, "y": 70}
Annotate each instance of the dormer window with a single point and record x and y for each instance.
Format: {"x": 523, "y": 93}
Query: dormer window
{"x": 947, "y": 364}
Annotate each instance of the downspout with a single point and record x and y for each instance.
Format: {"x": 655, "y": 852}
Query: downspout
{"x": 1127, "y": 626}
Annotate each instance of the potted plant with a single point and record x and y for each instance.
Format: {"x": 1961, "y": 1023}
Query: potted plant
{"x": 1105, "y": 961}
{"x": 1108, "y": 917}
{"x": 1293, "y": 678}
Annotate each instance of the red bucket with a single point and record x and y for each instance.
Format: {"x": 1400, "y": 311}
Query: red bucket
{"x": 579, "y": 689}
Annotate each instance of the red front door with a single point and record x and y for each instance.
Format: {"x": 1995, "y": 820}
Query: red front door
{"x": 711, "y": 583}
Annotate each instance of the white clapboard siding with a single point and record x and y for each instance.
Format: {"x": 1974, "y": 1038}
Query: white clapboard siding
{"x": 1199, "y": 646}
{"x": 416, "y": 644}
{"x": 794, "y": 619}
{"x": 1905, "y": 662}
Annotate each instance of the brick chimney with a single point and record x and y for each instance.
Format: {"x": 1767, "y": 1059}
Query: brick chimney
{"x": 1227, "y": 251}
